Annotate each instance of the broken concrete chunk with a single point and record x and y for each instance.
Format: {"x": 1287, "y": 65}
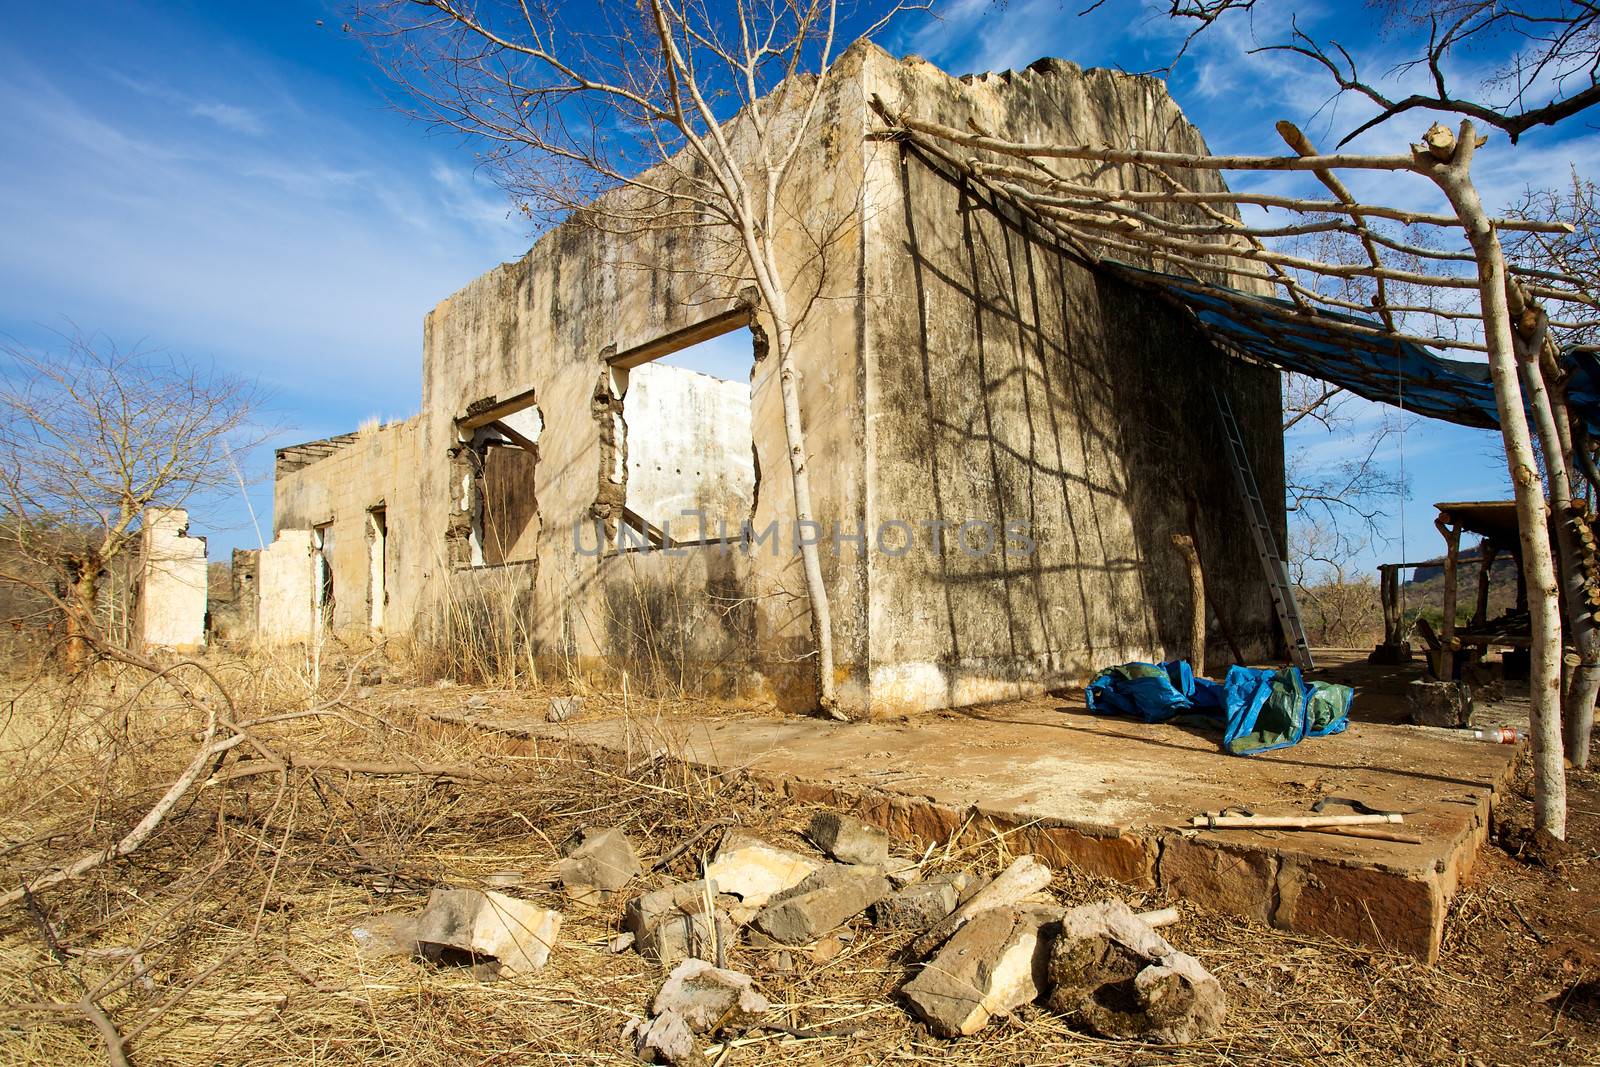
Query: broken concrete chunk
{"x": 515, "y": 932}
{"x": 1439, "y": 703}
{"x": 666, "y": 1039}
{"x": 1024, "y": 877}
{"x": 388, "y": 934}
{"x": 902, "y": 871}
{"x": 918, "y": 906}
{"x": 826, "y": 898}
{"x": 597, "y": 864}
{"x": 848, "y": 839}
{"x": 682, "y": 935}
{"x": 564, "y": 709}
{"x": 1124, "y": 980}
{"x": 647, "y": 909}
{"x": 993, "y": 965}
{"x": 710, "y": 999}
{"x": 754, "y": 870}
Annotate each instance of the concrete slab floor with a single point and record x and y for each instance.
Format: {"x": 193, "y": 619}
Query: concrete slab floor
{"x": 1114, "y": 797}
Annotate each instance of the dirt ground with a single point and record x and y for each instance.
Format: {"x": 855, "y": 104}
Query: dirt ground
{"x": 225, "y": 938}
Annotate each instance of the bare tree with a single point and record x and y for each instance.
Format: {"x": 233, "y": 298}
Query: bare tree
{"x": 1550, "y": 70}
{"x": 697, "y": 113}
{"x": 92, "y": 437}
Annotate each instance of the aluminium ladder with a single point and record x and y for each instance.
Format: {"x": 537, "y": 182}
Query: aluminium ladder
{"x": 1272, "y": 566}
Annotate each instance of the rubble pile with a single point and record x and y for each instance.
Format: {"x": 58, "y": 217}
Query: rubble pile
{"x": 981, "y": 949}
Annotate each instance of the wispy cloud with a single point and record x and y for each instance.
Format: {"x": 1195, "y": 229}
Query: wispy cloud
{"x": 230, "y": 117}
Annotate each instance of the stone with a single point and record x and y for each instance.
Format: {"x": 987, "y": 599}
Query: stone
{"x": 1433, "y": 703}
{"x": 477, "y": 700}
{"x": 710, "y": 999}
{"x": 753, "y": 870}
{"x": 386, "y": 934}
{"x": 517, "y": 933}
{"x": 902, "y": 871}
{"x": 564, "y": 709}
{"x": 648, "y": 909}
{"x": 993, "y": 965}
{"x": 848, "y": 839}
{"x": 621, "y": 943}
{"x": 1111, "y": 970}
{"x": 597, "y": 864}
{"x": 665, "y": 1039}
{"x": 827, "y": 898}
{"x": 1024, "y": 877}
{"x": 682, "y": 935}
{"x": 918, "y": 906}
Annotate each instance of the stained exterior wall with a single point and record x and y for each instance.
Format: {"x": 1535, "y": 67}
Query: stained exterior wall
{"x": 1008, "y": 383}
{"x": 955, "y": 370}
{"x": 170, "y": 610}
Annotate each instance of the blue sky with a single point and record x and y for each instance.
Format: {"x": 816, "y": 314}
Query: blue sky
{"x": 229, "y": 182}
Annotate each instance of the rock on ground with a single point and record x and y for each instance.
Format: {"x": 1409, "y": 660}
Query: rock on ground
{"x": 564, "y": 709}
{"x": 848, "y": 839}
{"x": 710, "y": 999}
{"x": 919, "y": 905}
{"x": 681, "y": 935}
{"x": 827, "y": 898}
{"x": 597, "y": 863}
{"x": 993, "y": 965}
{"x": 1123, "y": 980}
{"x": 665, "y": 1039}
{"x": 753, "y": 870}
{"x": 517, "y": 933}
{"x": 1024, "y": 877}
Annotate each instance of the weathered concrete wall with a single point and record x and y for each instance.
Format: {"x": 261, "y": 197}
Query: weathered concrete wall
{"x": 688, "y": 448}
{"x": 378, "y": 468}
{"x": 283, "y": 577}
{"x": 170, "y": 610}
{"x": 1011, "y": 386}
{"x": 954, "y": 370}
{"x": 546, "y": 322}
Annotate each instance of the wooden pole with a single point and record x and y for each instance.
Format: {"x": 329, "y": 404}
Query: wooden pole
{"x": 1452, "y": 552}
{"x": 1447, "y": 159}
{"x": 1197, "y": 601}
{"x": 1480, "y": 611}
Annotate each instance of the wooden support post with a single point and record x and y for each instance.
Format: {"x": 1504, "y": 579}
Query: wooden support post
{"x": 1488, "y": 552}
{"x": 1452, "y": 550}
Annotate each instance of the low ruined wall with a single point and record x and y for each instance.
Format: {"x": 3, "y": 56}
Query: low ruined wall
{"x": 171, "y": 605}
{"x": 380, "y": 468}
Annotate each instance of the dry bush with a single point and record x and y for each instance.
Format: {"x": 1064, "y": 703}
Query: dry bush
{"x": 226, "y": 939}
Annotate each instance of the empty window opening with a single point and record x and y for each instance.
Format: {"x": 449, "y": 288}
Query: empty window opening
{"x": 687, "y": 443}
{"x": 502, "y": 497}
{"x": 377, "y": 566}
{"x": 322, "y": 574}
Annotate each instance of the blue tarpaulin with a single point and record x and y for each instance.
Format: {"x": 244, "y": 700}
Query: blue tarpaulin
{"x": 1390, "y": 371}
{"x": 1258, "y": 709}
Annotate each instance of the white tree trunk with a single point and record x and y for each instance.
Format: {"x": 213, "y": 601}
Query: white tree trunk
{"x": 1451, "y": 170}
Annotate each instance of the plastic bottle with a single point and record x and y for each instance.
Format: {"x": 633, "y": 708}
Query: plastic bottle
{"x": 1498, "y": 735}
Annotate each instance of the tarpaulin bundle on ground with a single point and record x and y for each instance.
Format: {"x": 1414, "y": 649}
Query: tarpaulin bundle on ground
{"x": 1259, "y": 709}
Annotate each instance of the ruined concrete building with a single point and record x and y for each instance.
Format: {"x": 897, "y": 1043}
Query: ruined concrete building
{"x": 1003, "y": 439}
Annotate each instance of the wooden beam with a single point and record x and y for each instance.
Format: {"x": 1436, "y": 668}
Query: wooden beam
{"x": 489, "y": 409}
{"x": 1452, "y": 543}
{"x": 514, "y": 437}
{"x": 666, "y": 344}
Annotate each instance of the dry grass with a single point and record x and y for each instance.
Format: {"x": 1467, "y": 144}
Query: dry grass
{"x": 225, "y": 940}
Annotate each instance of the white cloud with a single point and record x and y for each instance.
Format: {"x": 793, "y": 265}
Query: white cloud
{"x": 230, "y": 117}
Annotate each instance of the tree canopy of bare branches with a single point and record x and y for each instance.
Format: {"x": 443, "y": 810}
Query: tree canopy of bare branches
{"x": 92, "y": 437}
{"x": 1544, "y": 57}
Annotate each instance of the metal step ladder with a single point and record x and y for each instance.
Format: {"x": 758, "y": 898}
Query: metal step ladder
{"x": 1272, "y": 565}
